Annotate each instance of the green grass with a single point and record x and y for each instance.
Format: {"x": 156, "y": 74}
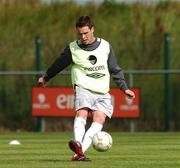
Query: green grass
{"x": 129, "y": 150}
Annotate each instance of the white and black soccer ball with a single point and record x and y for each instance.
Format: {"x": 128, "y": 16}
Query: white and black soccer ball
{"x": 102, "y": 141}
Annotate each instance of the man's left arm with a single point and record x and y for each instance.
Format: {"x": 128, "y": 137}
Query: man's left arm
{"x": 117, "y": 74}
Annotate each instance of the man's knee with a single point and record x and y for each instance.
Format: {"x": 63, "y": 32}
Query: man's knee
{"x": 82, "y": 113}
{"x": 99, "y": 117}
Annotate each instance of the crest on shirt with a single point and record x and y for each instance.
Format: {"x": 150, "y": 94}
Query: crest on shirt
{"x": 92, "y": 59}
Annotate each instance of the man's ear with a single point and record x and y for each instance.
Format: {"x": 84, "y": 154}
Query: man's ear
{"x": 92, "y": 29}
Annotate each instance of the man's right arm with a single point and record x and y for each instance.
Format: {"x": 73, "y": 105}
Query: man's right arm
{"x": 63, "y": 61}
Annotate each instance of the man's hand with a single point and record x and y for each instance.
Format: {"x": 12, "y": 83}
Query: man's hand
{"x": 129, "y": 93}
{"x": 41, "y": 82}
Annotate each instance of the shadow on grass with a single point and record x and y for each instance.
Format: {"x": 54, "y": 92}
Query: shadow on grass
{"x": 55, "y": 160}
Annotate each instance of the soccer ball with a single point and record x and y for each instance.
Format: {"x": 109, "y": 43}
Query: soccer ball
{"x": 102, "y": 141}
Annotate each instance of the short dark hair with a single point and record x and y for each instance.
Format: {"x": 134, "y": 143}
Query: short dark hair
{"x": 84, "y": 21}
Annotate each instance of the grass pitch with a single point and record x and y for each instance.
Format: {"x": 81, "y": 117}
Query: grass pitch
{"x": 129, "y": 150}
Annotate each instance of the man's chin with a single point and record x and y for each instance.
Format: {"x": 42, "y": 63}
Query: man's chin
{"x": 85, "y": 42}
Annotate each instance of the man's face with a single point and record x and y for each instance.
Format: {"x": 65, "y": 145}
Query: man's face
{"x": 86, "y": 34}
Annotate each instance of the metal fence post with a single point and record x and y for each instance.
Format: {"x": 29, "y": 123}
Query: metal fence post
{"x": 131, "y": 83}
{"x": 40, "y": 125}
{"x": 167, "y": 115}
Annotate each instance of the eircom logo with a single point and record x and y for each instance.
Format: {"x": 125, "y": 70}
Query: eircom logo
{"x": 41, "y": 98}
{"x": 129, "y": 104}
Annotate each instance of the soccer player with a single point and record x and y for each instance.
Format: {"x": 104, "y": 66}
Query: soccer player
{"x": 93, "y": 61}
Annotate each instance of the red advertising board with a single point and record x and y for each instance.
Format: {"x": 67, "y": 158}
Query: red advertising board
{"x": 59, "y": 102}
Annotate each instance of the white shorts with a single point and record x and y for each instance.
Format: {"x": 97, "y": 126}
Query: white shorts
{"x": 93, "y": 101}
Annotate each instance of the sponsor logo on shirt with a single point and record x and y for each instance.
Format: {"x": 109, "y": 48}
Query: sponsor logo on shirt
{"x": 93, "y": 60}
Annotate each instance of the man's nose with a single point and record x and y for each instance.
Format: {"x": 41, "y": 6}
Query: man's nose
{"x": 83, "y": 36}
